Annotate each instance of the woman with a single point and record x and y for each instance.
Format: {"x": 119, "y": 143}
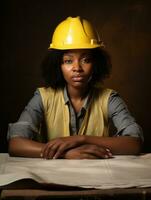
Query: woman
{"x": 74, "y": 105}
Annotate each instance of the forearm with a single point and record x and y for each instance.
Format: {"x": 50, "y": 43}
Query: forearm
{"x": 118, "y": 145}
{"x": 25, "y": 147}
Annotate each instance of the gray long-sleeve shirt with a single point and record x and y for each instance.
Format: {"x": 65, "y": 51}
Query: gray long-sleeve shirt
{"x": 30, "y": 119}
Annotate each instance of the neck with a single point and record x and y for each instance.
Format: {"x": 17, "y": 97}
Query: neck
{"x": 77, "y": 93}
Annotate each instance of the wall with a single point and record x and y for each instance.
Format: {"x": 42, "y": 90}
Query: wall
{"x": 26, "y": 30}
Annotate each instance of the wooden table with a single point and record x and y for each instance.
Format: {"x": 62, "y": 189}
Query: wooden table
{"x": 31, "y": 190}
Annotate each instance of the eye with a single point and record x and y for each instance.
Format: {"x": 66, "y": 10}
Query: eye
{"x": 86, "y": 60}
{"x": 67, "y": 61}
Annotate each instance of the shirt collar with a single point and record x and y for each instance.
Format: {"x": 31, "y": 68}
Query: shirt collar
{"x": 67, "y": 99}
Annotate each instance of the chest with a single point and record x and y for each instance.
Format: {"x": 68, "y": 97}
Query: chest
{"x": 77, "y": 105}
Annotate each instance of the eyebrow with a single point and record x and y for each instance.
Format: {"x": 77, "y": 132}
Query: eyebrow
{"x": 68, "y": 54}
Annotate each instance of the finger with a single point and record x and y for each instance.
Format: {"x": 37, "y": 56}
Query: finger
{"x": 47, "y": 149}
{"x": 109, "y": 153}
{"x": 63, "y": 147}
{"x": 87, "y": 156}
{"x": 60, "y": 151}
{"x": 55, "y": 149}
{"x": 42, "y": 153}
{"x": 98, "y": 152}
{"x": 52, "y": 151}
{"x": 105, "y": 153}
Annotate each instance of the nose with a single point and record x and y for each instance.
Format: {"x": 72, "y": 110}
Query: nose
{"x": 77, "y": 66}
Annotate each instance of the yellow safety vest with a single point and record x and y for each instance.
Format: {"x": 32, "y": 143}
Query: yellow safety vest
{"x": 56, "y": 113}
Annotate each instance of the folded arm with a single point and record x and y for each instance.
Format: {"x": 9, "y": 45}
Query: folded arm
{"x": 68, "y": 147}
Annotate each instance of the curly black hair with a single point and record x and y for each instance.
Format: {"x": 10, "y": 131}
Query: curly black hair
{"x": 52, "y": 74}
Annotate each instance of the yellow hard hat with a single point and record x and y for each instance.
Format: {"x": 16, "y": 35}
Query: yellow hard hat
{"x": 75, "y": 33}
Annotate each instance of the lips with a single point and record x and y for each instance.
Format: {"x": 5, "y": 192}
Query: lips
{"x": 77, "y": 78}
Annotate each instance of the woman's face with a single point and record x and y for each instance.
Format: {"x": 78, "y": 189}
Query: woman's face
{"x": 77, "y": 67}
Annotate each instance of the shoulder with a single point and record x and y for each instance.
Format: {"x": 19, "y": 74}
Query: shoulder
{"x": 49, "y": 95}
{"x": 99, "y": 90}
{"x": 102, "y": 93}
{"x": 45, "y": 90}
{"x": 49, "y": 90}
{"x": 35, "y": 102}
{"x": 36, "y": 99}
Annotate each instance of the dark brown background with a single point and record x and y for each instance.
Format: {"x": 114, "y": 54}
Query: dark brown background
{"x": 27, "y": 27}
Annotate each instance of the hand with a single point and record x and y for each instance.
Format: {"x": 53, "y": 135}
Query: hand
{"x": 88, "y": 151}
{"x": 56, "y": 147}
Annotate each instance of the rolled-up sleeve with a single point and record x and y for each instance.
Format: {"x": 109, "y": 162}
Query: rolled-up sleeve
{"x": 122, "y": 119}
{"x": 30, "y": 119}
